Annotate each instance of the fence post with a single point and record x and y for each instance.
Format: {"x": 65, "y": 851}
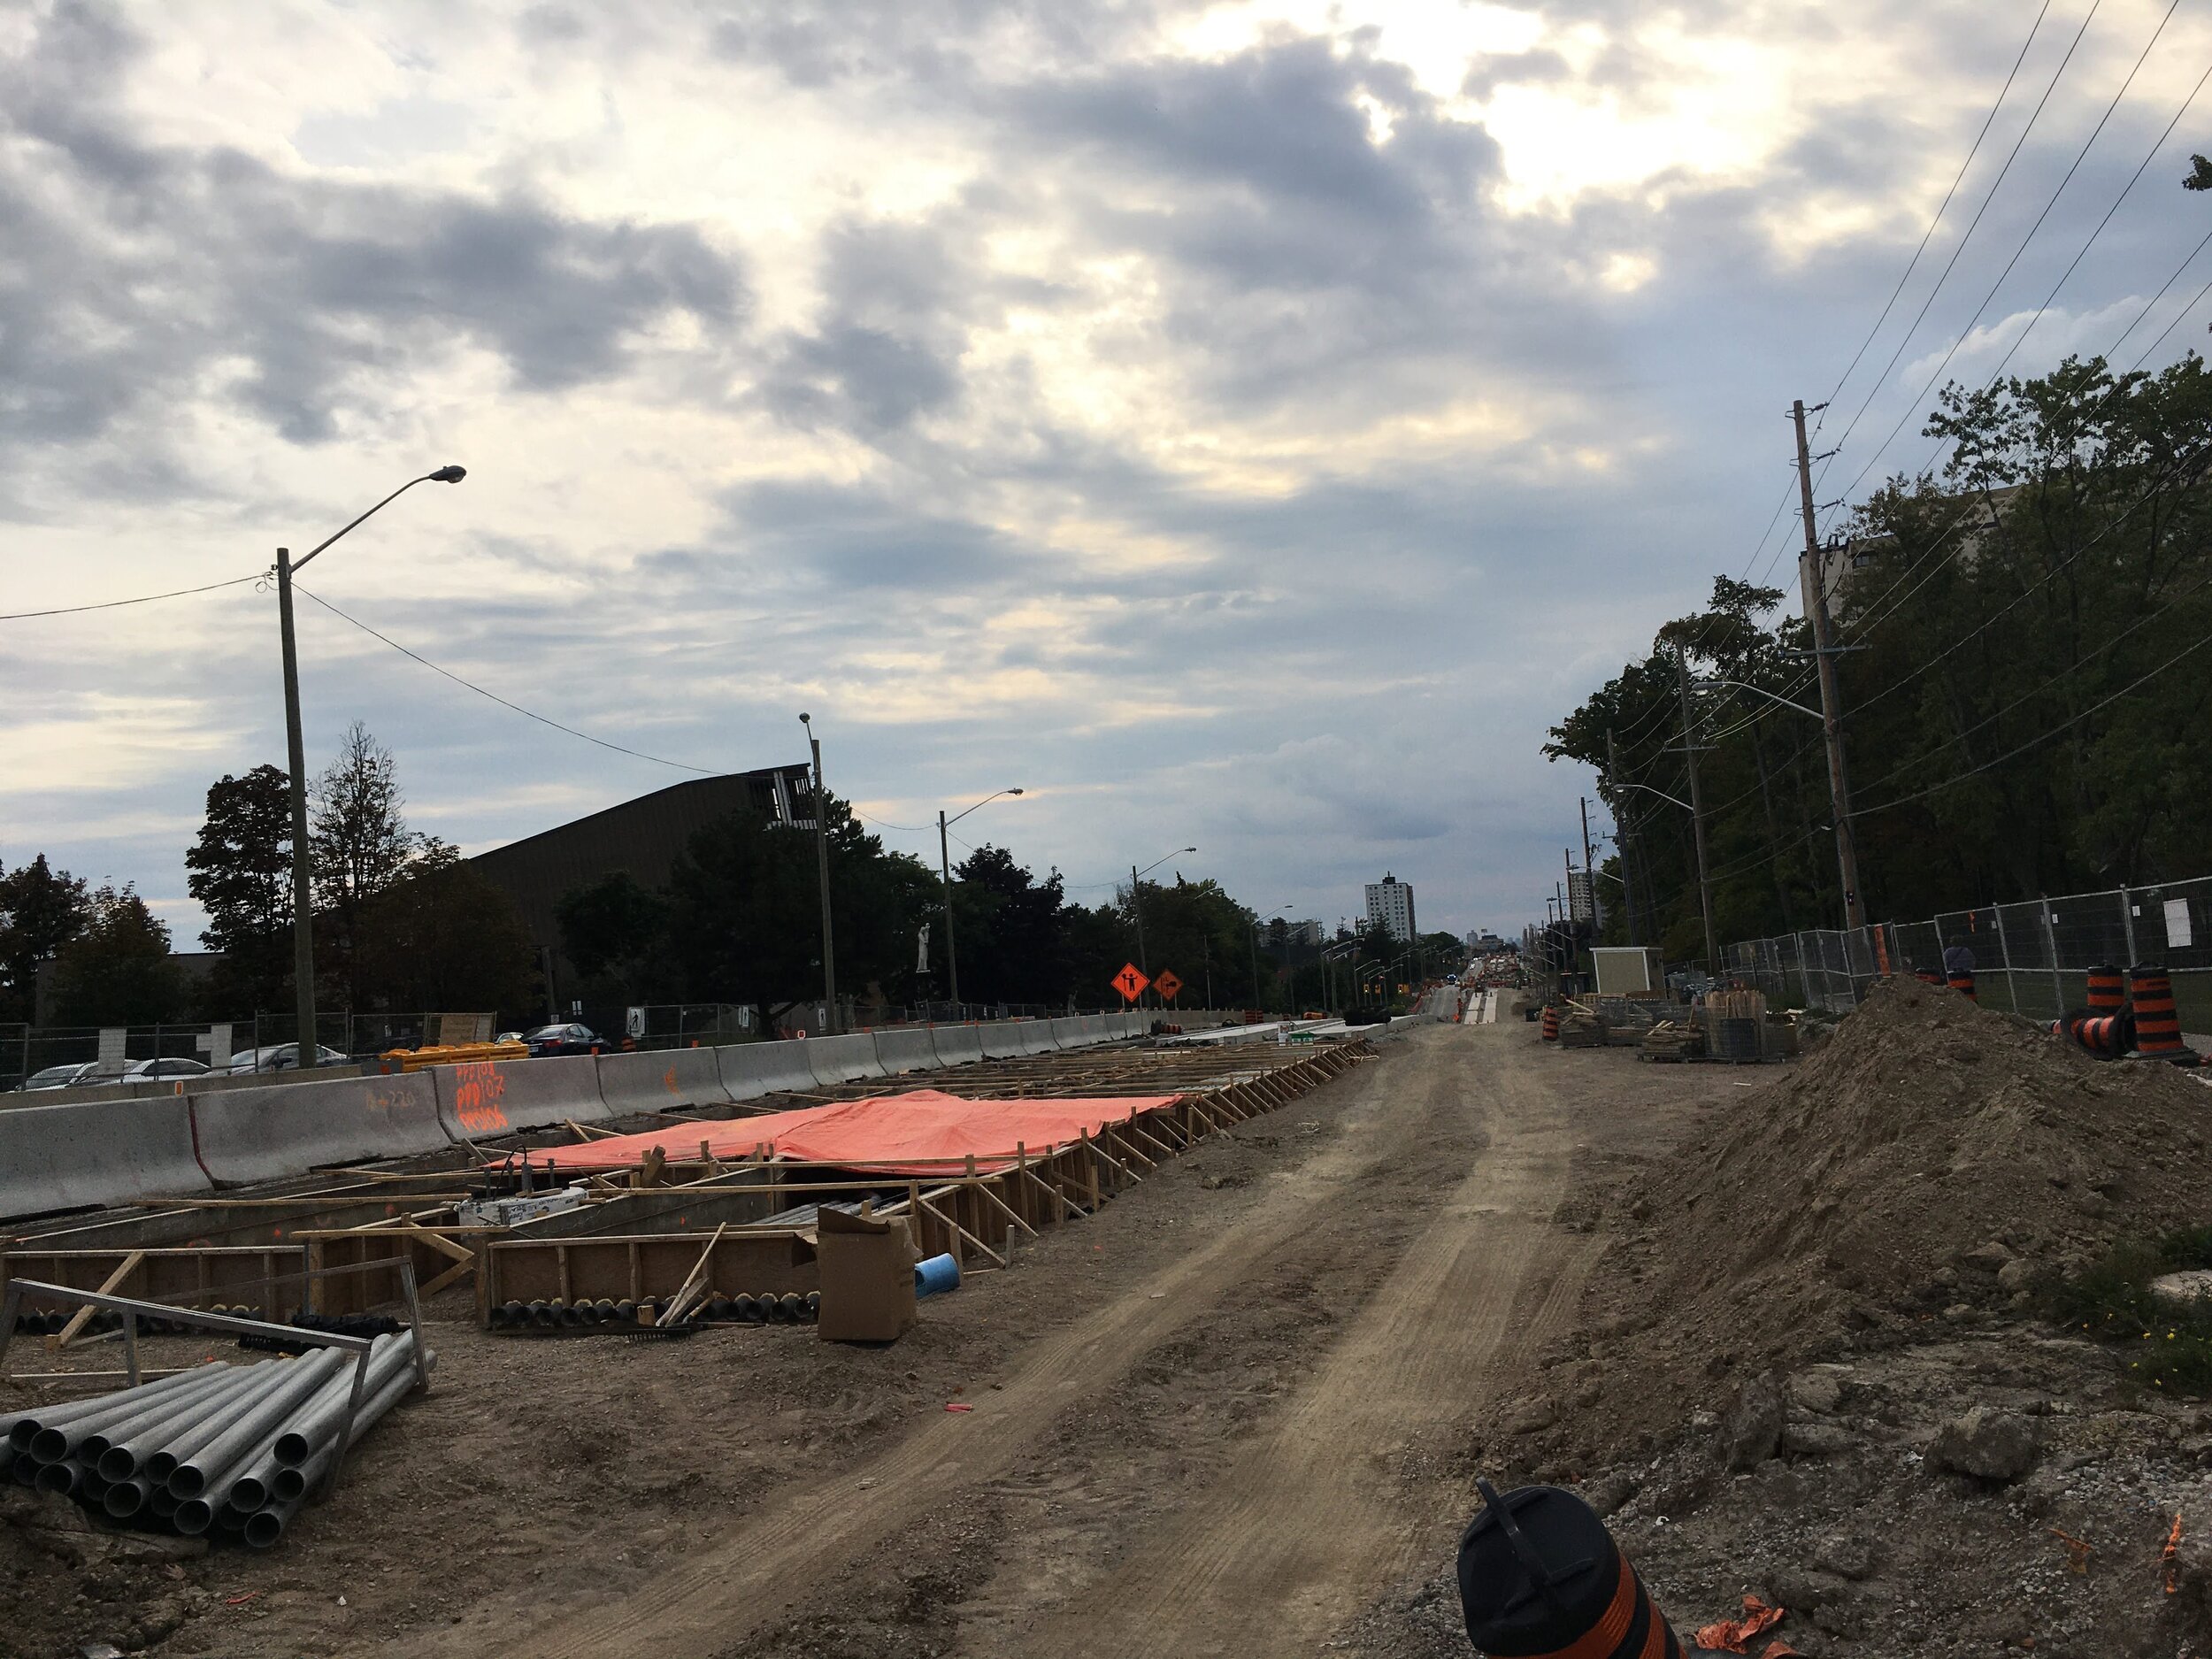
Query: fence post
{"x": 2004, "y": 952}
{"x": 2050, "y": 945}
{"x": 2127, "y": 922}
{"x": 1804, "y": 968}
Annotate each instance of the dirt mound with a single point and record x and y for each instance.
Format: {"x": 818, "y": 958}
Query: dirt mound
{"x": 1930, "y": 1153}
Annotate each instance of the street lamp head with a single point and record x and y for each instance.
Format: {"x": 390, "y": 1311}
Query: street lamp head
{"x": 805, "y": 719}
{"x": 1013, "y": 792}
{"x": 448, "y": 475}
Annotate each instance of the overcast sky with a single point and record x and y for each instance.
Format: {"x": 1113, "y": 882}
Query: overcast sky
{"x": 1242, "y": 424}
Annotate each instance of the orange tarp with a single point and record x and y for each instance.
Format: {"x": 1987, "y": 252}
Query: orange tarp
{"x": 924, "y": 1133}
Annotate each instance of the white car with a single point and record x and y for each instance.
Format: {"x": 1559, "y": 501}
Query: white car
{"x": 280, "y": 1057}
{"x": 163, "y": 1070}
{"x": 70, "y": 1076}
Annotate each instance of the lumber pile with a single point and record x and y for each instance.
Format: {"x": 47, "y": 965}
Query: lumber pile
{"x": 1673, "y": 1040}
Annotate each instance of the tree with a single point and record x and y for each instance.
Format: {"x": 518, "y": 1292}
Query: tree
{"x": 746, "y": 919}
{"x": 359, "y": 842}
{"x": 118, "y": 971}
{"x": 1013, "y": 931}
{"x": 441, "y": 938}
{"x": 241, "y": 871}
{"x": 41, "y": 911}
{"x": 613, "y": 928}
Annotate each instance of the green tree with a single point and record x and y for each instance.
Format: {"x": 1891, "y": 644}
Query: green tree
{"x": 611, "y": 928}
{"x": 1012, "y": 931}
{"x": 359, "y": 843}
{"x": 118, "y": 971}
{"x": 441, "y": 938}
{"x": 41, "y": 910}
{"x": 239, "y": 869}
{"x": 746, "y": 919}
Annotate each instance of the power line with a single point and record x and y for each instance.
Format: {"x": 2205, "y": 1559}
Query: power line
{"x": 1987, "y": 122}
{"x": 142, "y": 599}
{"x": 471, "y": 684}
{"x": 1951, "y": 264}
{"x": 1966, "y": 333}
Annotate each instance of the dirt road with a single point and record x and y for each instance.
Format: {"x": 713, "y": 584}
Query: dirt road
{"x": 1231, "y": 1452}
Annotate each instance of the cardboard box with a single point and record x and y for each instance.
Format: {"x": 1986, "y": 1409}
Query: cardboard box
{"x": 867, "y": 1267}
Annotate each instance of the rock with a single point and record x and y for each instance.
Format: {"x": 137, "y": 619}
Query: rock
{"x": 1845, "y": 1556}
{"x": 1987, "y": 1443}
{"x": 1533, "y": 1418}
{"x": 1820, "y": 1391}
{"x": 2016, "y": 1275}
{"x": 1990, "y": 1257}
{"x": 1814, "y": 1438}
{"x": 1754, "y": 1428}
{"x": 1802, "y": 1592}
{"x": 1610, "y": 1491}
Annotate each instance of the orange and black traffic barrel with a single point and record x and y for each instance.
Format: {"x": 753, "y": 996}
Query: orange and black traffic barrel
{"x": 2104, "y": 1036}
{"x": 2157, "y": 1023}
{"x": 1541, "y": 1577}
{"x": 1963, "y": 984}
{"x": 2108, "y": 989}
{"x": 1927, "y": 976}
{"x": 1551, "y": 1022}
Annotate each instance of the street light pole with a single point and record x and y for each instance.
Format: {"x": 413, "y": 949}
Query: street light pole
{"x": 944, "y": 868}
{"x": 310, "y": 1049}
{"x": 821, "y": 865}
{"x": 1136, "y": 901}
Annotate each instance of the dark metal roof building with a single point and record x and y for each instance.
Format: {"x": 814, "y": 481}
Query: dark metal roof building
{"x": 641, "y": 836}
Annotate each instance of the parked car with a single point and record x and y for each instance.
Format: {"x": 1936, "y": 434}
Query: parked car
{"x": 66, "y": 1076}
{"x": 163, "y": 1069}
{"x": 280, "y": 1056}
{"x": 568, "y": 1039}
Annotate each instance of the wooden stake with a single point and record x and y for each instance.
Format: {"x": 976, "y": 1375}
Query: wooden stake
{"x": 83, "y": 1316}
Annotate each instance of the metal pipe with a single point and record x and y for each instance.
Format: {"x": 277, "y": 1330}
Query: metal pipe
{"x": 50, "y": 1443}
{"x": 238, "y": 1442}
{"x": 320, "y": 1417}
{"x": 291, "y": 1482}
{"x": 64, "y": 1478}
{"x": 126, "y": 1498}
{"x": 23, "y": 1426}
{"x": 129, "y": 1445}
{"x": 263, "y": 1378}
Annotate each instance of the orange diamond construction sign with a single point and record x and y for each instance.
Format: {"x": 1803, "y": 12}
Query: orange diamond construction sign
{"x": 1167, "y": 983}
{"x": 1129, "y": 982}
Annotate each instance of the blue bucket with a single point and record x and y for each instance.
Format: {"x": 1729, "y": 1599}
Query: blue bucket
{"x": 935, "y": 1275}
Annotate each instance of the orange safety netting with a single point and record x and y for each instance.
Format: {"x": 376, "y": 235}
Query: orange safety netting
{"x": 925, "y": 1133}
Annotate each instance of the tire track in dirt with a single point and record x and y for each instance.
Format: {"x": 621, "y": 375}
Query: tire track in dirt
{"x": 790, "y": 1548}
{"x": 1309, "y": 1521}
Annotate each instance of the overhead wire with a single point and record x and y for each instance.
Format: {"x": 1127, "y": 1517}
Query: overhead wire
{"x": 142, "y": 599}
{"x": 529, "y": 714}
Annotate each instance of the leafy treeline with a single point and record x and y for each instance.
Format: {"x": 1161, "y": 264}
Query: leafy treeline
{"x": 739, "y": 921}
{"x": 2022, "y": 698}
{"x": 402, "y": 922}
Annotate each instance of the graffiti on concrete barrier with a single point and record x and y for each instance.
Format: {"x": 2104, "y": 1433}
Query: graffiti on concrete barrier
{"x": 479, "y": 1087}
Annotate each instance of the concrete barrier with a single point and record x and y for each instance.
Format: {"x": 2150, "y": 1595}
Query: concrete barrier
{"x": 1068, "y": 1033}
{"x": 1094, "y": 1028}
{"x": 750, "y": 1070}
{"x": 907, "y": 1048}
{"x": 286, "y": 1129}
{"x": 1036, "y": 1036}
{"x": 65, "y": 1158}
{"x": 1002, "y": 1040}
{"x": 495, "y": 1097}
{"x": 956, "y": 1045}
{"x": 845, "y": 1059}
{"x": 656, "y": 1081}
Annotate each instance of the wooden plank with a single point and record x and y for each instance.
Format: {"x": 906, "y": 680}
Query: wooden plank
{"x": 83, "y": 1316}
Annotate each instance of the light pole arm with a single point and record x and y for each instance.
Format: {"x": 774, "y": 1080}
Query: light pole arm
{"x": 299, "y": 564}
{"x": 1662, "y": 793}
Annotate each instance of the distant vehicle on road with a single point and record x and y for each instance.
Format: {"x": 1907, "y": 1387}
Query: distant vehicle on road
{"x": 280, "y": 1056}
{"x": 66, "y": 1076}
{"x": 160, "y": 1070}
{"x": 566, "y": 1039}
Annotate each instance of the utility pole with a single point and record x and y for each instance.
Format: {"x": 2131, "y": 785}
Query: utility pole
{"x": 295, "y": 752}
{"x": 1697, "y": 818}
{"x": 1814, "y": 589}
{"x": 1136, "y": 909}
{"x": 1590, "y": 869}
{"x": 1627, "y": 834}
{"x": 830, "y": 1020}
{"x": 944, "y": 869}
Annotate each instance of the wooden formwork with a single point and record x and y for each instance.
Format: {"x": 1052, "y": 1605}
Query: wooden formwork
{"x": 266, "y": 1277}
{"x": 973, "y": 1215}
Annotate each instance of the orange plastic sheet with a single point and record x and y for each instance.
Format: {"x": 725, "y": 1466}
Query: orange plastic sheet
{"x": 924, "y": 1133}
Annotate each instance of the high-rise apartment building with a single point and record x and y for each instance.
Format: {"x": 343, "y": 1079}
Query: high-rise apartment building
{"x": 1390, "y": 907}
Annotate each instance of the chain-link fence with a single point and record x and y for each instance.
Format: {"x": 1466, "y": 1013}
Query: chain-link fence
{"x": 2030, "y": 959}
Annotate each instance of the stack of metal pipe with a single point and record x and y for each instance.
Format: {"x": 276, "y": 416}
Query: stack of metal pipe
{"x": 230, "y": 1451}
